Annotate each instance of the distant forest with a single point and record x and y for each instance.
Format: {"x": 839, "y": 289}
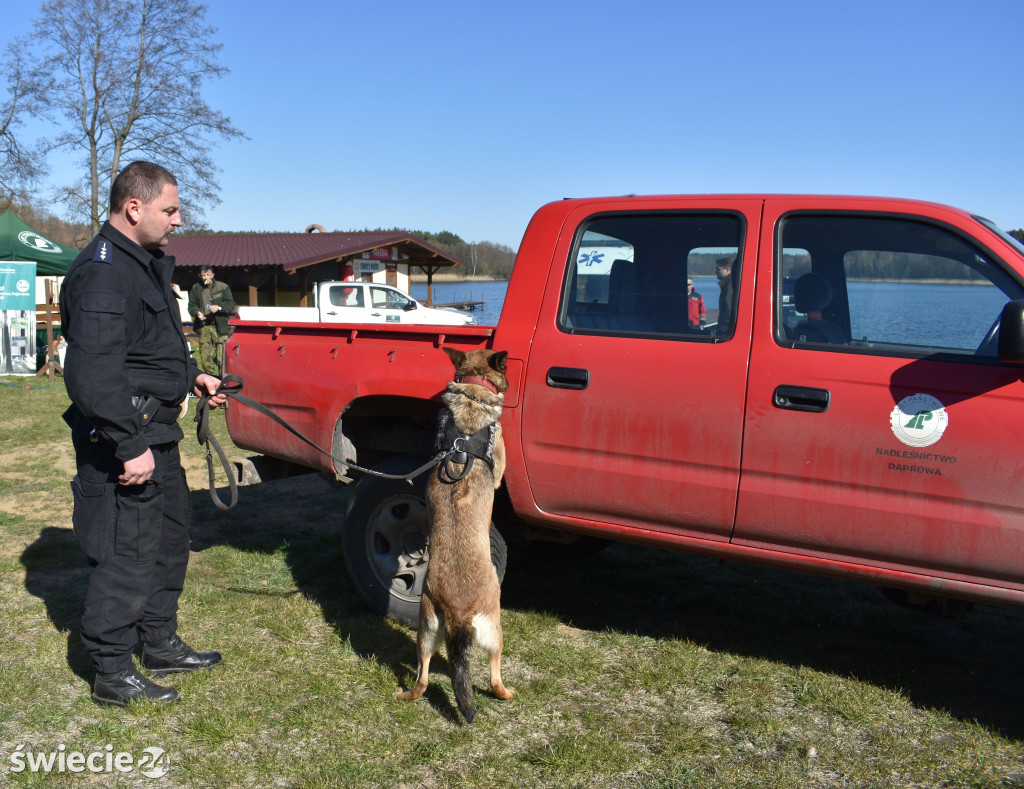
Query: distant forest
{"x": 486, "y": 259}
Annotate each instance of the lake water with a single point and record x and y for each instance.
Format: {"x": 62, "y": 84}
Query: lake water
{"x": 492, "y": 294}
{"x": 923, "y": 313}
{"x": 914, "y": 313}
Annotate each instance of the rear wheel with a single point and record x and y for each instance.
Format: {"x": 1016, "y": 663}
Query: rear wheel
{"x": 385, "y": 539}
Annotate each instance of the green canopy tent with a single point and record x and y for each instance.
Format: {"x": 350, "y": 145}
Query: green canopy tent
{"x": 20, "y": 242}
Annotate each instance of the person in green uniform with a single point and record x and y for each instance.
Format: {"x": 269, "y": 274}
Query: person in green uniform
{"x": 211, "y": 305}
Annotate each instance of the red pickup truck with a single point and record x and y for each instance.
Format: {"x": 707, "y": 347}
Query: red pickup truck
{"x": 852, "y": 404}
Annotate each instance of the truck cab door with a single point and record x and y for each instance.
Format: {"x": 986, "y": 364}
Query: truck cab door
{"x": 343, "y": 302}
{"x": 631, "y": 416}
{"x": 882, "y": 428}
{"x": 387, "y": 305}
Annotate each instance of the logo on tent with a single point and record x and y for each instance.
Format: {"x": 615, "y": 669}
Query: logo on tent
{"x": 38, "y": 243}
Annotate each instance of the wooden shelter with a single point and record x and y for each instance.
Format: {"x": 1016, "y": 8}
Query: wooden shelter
{"x": 280, "y": 269}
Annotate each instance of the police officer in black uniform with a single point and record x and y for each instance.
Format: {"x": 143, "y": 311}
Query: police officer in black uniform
{"x": 127, "y": 370}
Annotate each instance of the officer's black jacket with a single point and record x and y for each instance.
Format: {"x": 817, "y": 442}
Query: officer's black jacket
{"x": 120, "y": 318}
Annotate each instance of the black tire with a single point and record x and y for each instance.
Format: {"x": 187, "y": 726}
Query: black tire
{"x": 385, "y": 540}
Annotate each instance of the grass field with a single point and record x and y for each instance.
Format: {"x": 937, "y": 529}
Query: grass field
{"x": 635, "y": 668}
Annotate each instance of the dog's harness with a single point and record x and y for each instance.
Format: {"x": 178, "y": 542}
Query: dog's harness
{"x": 456, "y": 447}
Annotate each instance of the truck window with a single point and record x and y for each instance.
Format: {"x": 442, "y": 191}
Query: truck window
{"x": 628, "y": 275}
{"x": 385, "y": 298}
{"x": 346, "y": 296}
{"x": 887, "y": 284}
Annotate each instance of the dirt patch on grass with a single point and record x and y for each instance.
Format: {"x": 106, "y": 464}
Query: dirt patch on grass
{"x": 59, "y": 458}
{"x": 29, "y": 493}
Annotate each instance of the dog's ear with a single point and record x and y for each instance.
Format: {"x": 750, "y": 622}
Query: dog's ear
{"x": 457, "y": 356}
{"x": 497, "y": 361}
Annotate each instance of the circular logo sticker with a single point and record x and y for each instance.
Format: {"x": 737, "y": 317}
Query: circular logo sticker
{"x": 23, "y": 286}
{"x": 919, "y": 420}
{"x": 38, "y": 243}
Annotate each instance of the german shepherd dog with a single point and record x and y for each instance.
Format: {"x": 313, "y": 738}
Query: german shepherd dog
{"x": 461, "y": 596}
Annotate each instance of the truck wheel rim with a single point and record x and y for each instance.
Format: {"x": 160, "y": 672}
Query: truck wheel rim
{"x": 396, "y": 545}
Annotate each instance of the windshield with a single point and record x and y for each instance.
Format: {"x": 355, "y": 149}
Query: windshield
{"x": 1002, "y": 233}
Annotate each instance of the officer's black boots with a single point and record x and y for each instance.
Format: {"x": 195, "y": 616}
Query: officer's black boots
{"x": 172, "y": 656}
{"x": 169, "y": 656}
{"x": 129, "y": 685}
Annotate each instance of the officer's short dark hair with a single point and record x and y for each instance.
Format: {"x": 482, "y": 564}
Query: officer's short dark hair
{"x": 144, "y": 180}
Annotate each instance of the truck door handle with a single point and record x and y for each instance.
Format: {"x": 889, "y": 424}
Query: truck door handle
{"x": 568, "y": 378}
{"x": 802, "y": 398}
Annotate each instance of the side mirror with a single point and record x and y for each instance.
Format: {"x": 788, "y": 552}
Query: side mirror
{"x": 1011, "y": 332}
{"x": 410, "y": 306}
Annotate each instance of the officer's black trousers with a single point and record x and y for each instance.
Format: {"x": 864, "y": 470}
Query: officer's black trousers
{"x": 136, "y": 539}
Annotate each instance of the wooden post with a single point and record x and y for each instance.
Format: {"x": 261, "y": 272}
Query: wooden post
{"x": 51, "y": 361}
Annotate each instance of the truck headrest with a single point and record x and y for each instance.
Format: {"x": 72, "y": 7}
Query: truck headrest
{"x": 812, "y": 293}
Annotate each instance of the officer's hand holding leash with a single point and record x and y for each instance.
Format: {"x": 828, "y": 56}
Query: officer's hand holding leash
{"x": 208, "y": 385}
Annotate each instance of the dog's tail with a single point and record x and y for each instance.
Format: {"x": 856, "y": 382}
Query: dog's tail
{"x": 460, "y": 641}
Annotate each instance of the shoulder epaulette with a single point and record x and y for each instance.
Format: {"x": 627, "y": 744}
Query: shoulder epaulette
{"x": 104, "y": 252}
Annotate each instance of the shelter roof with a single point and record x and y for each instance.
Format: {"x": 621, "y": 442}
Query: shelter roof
{"x": 20, "y": 241}
{"x": 296, "y": 250}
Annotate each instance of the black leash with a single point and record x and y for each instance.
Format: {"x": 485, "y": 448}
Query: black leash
{"x": 231, "y": 385}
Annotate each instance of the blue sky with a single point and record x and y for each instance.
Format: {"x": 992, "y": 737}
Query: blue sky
{"x": 468, "y": 116}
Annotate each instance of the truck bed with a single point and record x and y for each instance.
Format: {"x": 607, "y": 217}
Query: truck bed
{"x": 293, "y": 368}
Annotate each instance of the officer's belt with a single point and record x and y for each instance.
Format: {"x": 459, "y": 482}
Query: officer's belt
{"x": 153, "y": 410}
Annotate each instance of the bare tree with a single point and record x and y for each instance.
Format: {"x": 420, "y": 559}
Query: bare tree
{"x": 20, "y": 164}
{"x": 126, "y": 79}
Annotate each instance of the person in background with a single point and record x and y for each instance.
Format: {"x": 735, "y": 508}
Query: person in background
{"x": 127, "y": 369}
{"x": 211, "y": 305}
{"x": 723, "y": 270}
{"x": 695, "y": 305}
